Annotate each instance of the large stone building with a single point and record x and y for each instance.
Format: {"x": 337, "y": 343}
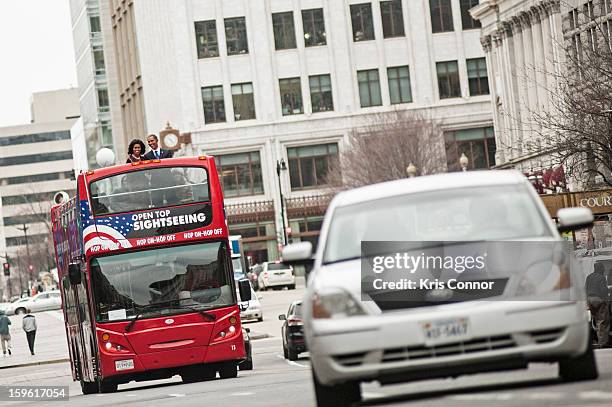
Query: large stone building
{"x": 274, "y": 84}
{"x": 526, "y": 44}
{"x": 35, "y": 163}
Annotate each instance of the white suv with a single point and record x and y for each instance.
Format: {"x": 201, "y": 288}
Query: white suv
{"x": 276, "y": 275}
{"x": 353, "y": 339}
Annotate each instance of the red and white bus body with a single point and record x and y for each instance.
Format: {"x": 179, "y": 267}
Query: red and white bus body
{"x": 157, "y": 295}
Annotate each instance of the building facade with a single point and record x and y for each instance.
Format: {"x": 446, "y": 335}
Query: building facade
{"x": 35, "y": 163}
{"x": 274, "y": 88}
{"x": 526, "y": 44}
{"x": 93, "y": 56}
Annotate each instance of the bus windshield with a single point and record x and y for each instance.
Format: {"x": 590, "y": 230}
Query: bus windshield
{"x": 161, "y": 281}
{"x": 149, "y": 188}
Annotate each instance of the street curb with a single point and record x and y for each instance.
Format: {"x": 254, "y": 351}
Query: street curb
{"x": 44, "y": 362}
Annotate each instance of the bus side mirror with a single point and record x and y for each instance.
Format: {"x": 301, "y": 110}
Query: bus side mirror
{"x": 74, "y": 273}
{"x": 244, "y": 288}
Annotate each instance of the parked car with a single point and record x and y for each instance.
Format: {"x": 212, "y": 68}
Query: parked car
{"x": 276, "y": 275}
{"x": 251, "y": 309}
{"x": 247, "y": 364}
{"x": 352, "y": 340}
{"x": 48, "y": 300}
{"x": 292, "y": 331}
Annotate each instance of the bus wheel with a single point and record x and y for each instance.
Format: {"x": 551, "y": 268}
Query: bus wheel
{"x": 228, "y": 370}
{"x": 107, "y": 387}
{"x": 88, "y": 387}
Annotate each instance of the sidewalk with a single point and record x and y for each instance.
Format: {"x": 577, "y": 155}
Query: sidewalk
{"x": 50, "y": 345}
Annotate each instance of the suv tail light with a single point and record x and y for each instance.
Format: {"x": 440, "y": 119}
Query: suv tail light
{"x": 294, "y": 321}
{"x": 265, "y": 274}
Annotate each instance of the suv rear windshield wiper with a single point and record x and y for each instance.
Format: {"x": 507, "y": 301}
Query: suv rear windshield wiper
{"x": 169, "y": 304}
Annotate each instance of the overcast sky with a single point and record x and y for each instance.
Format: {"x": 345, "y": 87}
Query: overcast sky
{"x": 36, "y": 54}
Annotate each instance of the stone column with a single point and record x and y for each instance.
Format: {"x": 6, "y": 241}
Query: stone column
{"x": 519, "y": 72}
{"x": 490, "y": 45}
{"x": 530, "y": 78}
{"x": 540, "y": 67}
{"x": 510, "y": 107}
{"x": 547, "y": 43}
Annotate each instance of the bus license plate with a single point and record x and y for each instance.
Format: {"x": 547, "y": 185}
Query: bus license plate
{"x": 444, "y": 330}
{"x": 124, "y": 364}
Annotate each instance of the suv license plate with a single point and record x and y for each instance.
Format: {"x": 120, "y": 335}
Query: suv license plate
{"x": 124, "y": 364}
{"x": 444, "y": 330}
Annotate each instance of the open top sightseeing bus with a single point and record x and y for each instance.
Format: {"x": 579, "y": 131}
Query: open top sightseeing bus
{"x": 146, "y": 275}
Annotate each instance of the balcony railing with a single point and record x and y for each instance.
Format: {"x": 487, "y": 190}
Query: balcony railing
{"x": 250, "y": 212}
{"x": 307, "y": 206}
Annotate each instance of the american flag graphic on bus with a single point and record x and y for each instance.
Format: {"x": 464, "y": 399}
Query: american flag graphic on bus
{"x": 108, "y": 233}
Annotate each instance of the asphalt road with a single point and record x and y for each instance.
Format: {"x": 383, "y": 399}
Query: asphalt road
{"x": 278, "y": 382}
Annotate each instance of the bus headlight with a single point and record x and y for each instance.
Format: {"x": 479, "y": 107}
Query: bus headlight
{"x": 335, "y": 303}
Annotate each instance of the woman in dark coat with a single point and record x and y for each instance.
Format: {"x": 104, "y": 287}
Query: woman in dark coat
{"x": 136, "y": 151}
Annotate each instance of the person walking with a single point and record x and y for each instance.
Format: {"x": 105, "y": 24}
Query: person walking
{"x": 597, "y": 301}
{"x": 5, "y": 336}
{"x": 29, "y": 327}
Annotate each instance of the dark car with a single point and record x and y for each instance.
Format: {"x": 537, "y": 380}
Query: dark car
{"x": 247, "y": 364}
{"x": 292, "y": 331}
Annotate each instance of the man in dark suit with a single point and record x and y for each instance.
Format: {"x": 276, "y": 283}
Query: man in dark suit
{"x": 156, "y": 152}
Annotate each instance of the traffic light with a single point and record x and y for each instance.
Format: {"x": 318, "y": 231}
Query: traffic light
{"x": 7, "y": 269}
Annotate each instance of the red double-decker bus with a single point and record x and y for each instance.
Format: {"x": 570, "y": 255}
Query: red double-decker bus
{"x": 146, "y": 275}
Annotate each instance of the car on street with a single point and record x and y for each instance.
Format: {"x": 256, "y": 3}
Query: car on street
{"x": 275, "y": 274}
{"x": 251, "y": 309}
{"x": 45, "y": 301}
{"x": 292, "y": 331}
{"x": 357, "y": 336}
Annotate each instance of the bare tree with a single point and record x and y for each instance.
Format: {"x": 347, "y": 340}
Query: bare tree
{"x": 383, "y": 149}
{"x": 576, "y": 129}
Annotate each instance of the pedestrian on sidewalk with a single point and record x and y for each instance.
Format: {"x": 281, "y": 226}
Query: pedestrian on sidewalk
{"x": 5, "y": 336}
{"x": 29, "y": 327}
{"x": 597, "y": 300}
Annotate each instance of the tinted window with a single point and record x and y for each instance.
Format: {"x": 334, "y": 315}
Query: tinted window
{"x": 150, "y": 188}
{"x": 277, "y": 266}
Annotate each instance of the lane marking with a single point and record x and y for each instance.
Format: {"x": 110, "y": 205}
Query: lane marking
{"x": 176, "y": 395}
{"x": 595, "y": 395}
{"x": 373, "y": 395}
{"x": 546, "y": 396}
{"x": 246, "y": 393}
{"x": 499, "y": 396}
{"x": 290, "y": 362}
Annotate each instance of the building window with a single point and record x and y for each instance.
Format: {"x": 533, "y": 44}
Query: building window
{"x": 206, "y": 39}
{"x": 236, "y": 36}
{"x": 284, "y": 31}
{"x": 240, "y": 174}
{"x": 94, "y": 24}
{"x": 35, "y": 158}
{"x": 448, "y": 79}
{"x": 35, "y": 138}
{"x": 392, "y": 18}
{"x": 363, "y": 27}
{"x": 244, "y": 104}
{"x": 98, "y": 55}
{"x": 28, "y": 179}
{"x": 477, "y": 76}
{"x": 103, "y": 100}
{"x": 107, "y": 134}
{"x": 399, "y": 85}
{"x": 314, "y": 27}
{"x": 369, "y": 88}
{"x": 467, "y": 22}
{"x": 589, "y": 14}
{"x": 477, "y": 144}
{"x": 321, "y": 93}
{"x": 291, "y": 96}
{"x": 441, "y": 15}
{"x": 309, "y": 165}
{"x": 214, "y": 108}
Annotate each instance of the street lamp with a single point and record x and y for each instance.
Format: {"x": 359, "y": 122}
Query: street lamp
{"x": 463, "y": 161}
{"x": 282, "y": 166}
{"x": 411, "y": 170}
{"x": 24, "y": 229}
